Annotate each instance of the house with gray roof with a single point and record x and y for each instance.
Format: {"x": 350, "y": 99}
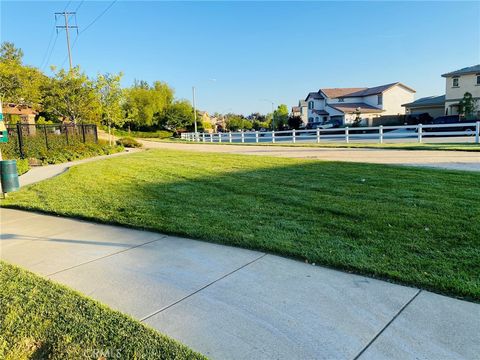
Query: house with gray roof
{"x": 432, "y": 105}
{"x": 344, "y": 105}
{"x": 459, "y": 82}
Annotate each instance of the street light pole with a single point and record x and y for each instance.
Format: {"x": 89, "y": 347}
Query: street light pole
{"x": 273, "y": 112}
{"x": 194, "y": 110}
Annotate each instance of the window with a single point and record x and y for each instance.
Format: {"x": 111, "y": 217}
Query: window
{"x": 310, "y": 119}
{"x": 316, "y": 118}
{"x": 341, "y": 99}
{"x": 455, "y": 82}
{"x": 310, "y": 105}
{"x": 380, "y": 99}
{"x": 478, "y": 79}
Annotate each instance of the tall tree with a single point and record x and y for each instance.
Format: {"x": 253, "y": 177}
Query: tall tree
{"x": 72, "y": 96}
{"x": 111, "y": 97}
{"x": 8, "y": 52}
{"x": 19, "y": 84}
{"x": 280, "y": 116}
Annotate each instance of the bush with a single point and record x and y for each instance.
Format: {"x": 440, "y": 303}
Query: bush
{"x": 129, "y": 142}
{"x": 22, "y": 166}
{"x": 58, "y": 150}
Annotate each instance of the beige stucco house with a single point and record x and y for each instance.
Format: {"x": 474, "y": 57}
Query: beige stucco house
{"x": 345, "y": 104}
{"x": 457, "y": 84}
{"x": 301, "y": 111}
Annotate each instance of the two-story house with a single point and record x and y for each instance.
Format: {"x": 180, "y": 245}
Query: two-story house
{"x": 344, "y": 105}
{"x": 458, "y": 83}
{"x": 301, "y": 111}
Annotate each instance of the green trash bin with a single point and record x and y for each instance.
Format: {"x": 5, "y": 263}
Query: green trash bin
{"x": 9, "y": 175}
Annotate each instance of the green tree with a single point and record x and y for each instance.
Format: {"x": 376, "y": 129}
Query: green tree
{"x": 111, "y": 97}
{"x": 295, "y": 122}
{"x": 467, "y": 106}
{"x": 72, "y": 96}
{"x": 178, "y": 115}
{"x": 9, "y": 53}
{"x": 148, "y": 103}
{"x": 19, "y": 84}
{"x": 280, "y": 117}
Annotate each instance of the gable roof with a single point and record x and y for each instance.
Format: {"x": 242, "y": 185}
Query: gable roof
{"x": 352, "y": 107}
{"x": 340, "y": 92}
{"x": 314, "y": 95}
{"x": 427, "y": 101}
{"x": 475, "y": 69}
{"x": 359, "y": 92}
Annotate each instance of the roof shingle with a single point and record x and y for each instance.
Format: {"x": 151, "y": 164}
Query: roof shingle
{"x": 475, "y": 69}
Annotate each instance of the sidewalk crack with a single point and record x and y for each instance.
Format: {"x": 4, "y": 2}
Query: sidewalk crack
{"x": 106, "y": 256}
{"x": 387, "y": 325}
{"x": 202, "y": 288}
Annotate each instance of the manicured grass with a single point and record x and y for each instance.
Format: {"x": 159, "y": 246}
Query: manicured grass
{"x": 42, "y": 320}
{"x": 410, "y": 225}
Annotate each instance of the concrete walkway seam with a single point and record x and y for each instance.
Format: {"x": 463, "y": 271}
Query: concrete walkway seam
{"x": 108, "y": 255}
{"x": 387, "y": 325}
{"x": 202, "y": 288}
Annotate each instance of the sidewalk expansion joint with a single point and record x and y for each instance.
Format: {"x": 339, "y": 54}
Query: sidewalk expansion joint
{"x": 202, "y": 288}
{"x": 108, "y": 255}
{"x": 387, "y": 325}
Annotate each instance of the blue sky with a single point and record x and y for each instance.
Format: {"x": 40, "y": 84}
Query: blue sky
{"x": 238, "y": 53}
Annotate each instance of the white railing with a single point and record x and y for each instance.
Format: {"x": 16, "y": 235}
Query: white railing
{"x": 346, "y": 134}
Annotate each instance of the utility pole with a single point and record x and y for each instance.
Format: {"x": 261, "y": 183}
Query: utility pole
{"x": 194, "y": 110}
{"x": 66, "y": 15}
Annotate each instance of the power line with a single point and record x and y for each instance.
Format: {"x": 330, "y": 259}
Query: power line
{"x": 98, "y": 17}
{"x": 48, "y": 46}
{"x": 50, "y": 55}
{"x": 78, "y": 7}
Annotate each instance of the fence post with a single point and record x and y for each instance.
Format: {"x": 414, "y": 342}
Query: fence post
{"x": 83, "y": 133}
{"x": 477, "y": 132}
{"x": 96, "y": 133}
{"x": 219, "y": 137}
{"x": 211, "y": 137}
{"x": 273, "y": 136}
{"x": 380, "y": 134}
{"x": 293, "y": 136}
{"x": 203, "y": 137}
{"x": 229, "y": 136}
{"x": 242, "y": 135}
{"x": 347, "y": 137}
{"x": 20, "y": 140}
{"x": 46, "y": 137}
{"x": 420, "y": 131}
{"x": 318, "y": 135}
{"x": 256, "y": 136}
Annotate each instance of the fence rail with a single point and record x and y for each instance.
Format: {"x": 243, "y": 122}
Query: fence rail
{"x": 375, "y": 133}
{"x": 24, "y": 136}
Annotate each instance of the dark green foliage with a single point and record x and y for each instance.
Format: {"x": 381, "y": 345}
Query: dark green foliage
{"x": 129, "y": 142}
{"x": 42, "y": 320}
{"x": 411, "y": 225}
{"x": 58, "y": 150}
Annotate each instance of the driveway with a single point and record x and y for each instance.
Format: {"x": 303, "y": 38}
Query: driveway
{"x": 232, "y": 303}
{"x": 454, "y": 160}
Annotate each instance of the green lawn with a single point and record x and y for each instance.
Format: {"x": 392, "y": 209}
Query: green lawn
{"x": 410, "y": 225}
{"x": 43, "y": 320}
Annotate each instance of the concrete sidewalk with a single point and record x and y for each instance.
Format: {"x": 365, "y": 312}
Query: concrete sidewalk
{"x": 231, "y": 303}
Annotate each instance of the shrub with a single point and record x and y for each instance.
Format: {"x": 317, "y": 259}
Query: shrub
{"x": 128, "y": 142}
{"x": 22, "y": 166}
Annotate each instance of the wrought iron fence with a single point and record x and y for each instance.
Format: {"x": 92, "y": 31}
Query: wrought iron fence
{"x": 27, "y": 136}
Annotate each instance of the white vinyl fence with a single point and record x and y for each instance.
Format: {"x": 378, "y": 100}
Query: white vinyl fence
{"x": 417, "y": 133}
